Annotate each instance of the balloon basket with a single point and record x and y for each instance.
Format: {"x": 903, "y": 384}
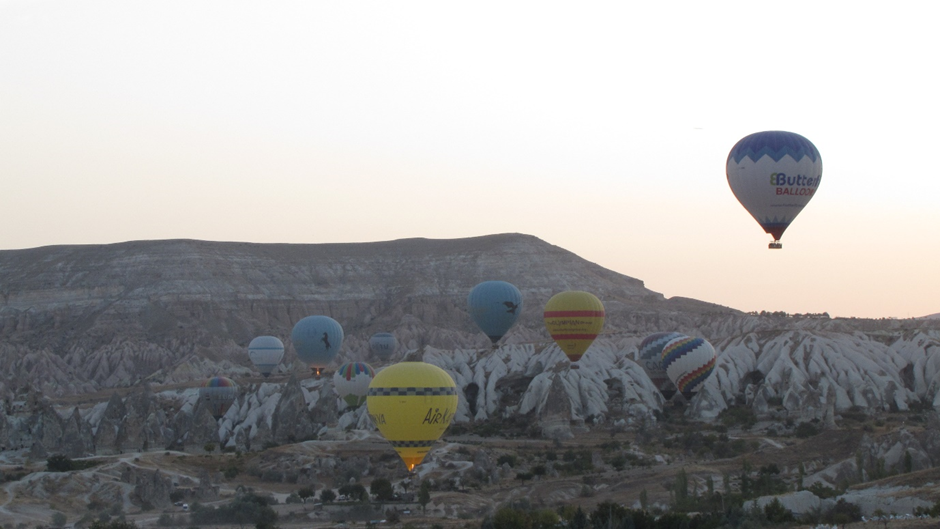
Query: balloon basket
{"x": 776, "y": 245}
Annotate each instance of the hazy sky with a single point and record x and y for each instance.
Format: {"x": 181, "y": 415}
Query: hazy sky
{"x": 600, "y": 128}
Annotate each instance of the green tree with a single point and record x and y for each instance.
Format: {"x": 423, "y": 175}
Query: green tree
{"x": 59, "y": 463}
{"x": 908, "y": 462}
{"x": 382, "y": 489}
{"x": 682, "y": 502}
{"x": 424, "y": 496}
{"x": 777, "y": 513}
{"x": 58, "y": 519}
{"x": 644, "y": 500}
{"x": 579, "y": 520}
{"x": 358, "y": 492}
{"x": 327, "y": 496}
{"x": 113, "y": 524}
{"x": 304, "y": 493}
{"x": 509, "y": 518}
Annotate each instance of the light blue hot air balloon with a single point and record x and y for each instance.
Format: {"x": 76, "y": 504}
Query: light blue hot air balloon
{"x": 317, "y": 340}
{"x": 383, "y": 345}
{"x": 774, "y": 174}
{"x": 266, "y": 353}
{"x": 494, "y": 306}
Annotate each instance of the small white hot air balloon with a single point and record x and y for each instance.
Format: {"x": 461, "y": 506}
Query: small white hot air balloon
{"x": 266, "y": 353}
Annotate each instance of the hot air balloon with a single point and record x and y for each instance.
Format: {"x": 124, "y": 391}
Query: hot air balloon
{"x": 317, "y": 340}
{"x": 265, "y": 353}
{"x": 218, "y": 393}
{"x": 351, "y": 382}
{"x": 773, "y": 175}
{"x": 494, "y": 306}
{"x": 649, "y": 356}
{"x": 383, "y": 345}
{"x": 688, "y": 362}
{"x": 574, "y": 319}
{"x": 412, "y": 403}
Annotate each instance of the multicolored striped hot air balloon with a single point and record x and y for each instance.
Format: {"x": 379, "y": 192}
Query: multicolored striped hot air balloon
{"x": 774, "y": 174}
{"x": 266, "y": 353}
{"x": 383, "y": 345}
{"x": 494, "y": 306}
{"x": 218, "y": 394}
{"x": 351, "y": 382}
{"x": 317, "y": 340}
{"x": 574, "y": 319}
{"x": 688, "y": 362}
{"x": 650, "y": 357}
{"x": 412, "y": 404}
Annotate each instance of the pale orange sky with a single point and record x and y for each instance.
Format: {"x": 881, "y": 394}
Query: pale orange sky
{"x": 602, "y": 129}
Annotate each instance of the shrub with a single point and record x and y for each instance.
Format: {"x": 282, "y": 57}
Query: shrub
{"x": 806, "y": 429}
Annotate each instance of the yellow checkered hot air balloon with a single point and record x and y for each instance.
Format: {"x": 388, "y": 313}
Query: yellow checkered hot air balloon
{"x": 574, "y": 319}
{"x": 412, "y": 404}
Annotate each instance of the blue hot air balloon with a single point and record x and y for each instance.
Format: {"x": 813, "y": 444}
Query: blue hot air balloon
{"x": 649, "y": 356}
{"x": 773, "y": 175}
{"x": 317, "y": 340}
{"x": 495, "y": 306}
{"x": 383, "y": 345}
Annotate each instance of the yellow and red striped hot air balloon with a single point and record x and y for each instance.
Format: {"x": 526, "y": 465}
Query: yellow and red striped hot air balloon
{"x": 574, "y": 319}
{"x": 412, "y": 404}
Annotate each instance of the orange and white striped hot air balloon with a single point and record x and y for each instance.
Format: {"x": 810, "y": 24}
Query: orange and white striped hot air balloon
{"x": 574, "y": 319}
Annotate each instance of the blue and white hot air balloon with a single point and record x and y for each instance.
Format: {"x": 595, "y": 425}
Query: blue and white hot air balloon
{"x": 688, "y": 362}
{"x": 494, "y": 306}
{"x": 218, "y": 394}
{"x": 649, "y": 356}
{"x": 383, "y": 345}
{"x": 266, "y": 353}
{"x": 773, "y": 175}
{"x": 317, "y": 340}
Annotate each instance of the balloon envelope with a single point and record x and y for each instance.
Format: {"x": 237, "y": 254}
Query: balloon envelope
{"x": 412, "y": 404}
{"x": 218, "y": 393}
{"x": 266, "y": 353}
{"x": 351, "y": 382}
{"x": 574, "y": 319}
{"x": 773, "y": 175}
{"x": 383, "y": 345}
{"x": 494, "y": 306}
{"x": 688, "y": 362}
{"x": 649, "y": 356}
{"x": 317, "y": 340}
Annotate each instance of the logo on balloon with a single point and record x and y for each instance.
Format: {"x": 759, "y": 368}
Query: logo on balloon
{"x": 794, "y": 185}
{"x": 436, "y": 417}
